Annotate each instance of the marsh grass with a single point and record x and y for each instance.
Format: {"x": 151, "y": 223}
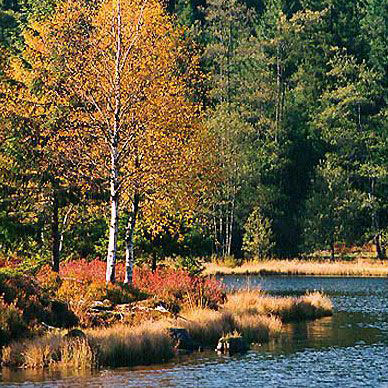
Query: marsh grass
{"x": 122, "y": 345}
{"x": 301, "y": 267}
{"x": 252, "y": 314}
{"x": 206, "y": 326}
{"x": 51, "y": 351}
{"x": 114, "y": 346}
{"x": 256, "y": 303}
{"x": 258, "y": 328}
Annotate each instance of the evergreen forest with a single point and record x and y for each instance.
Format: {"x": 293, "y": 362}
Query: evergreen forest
{"x": 135, "y": 130}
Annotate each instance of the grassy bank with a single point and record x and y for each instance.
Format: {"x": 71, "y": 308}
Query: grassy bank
{"x": 256, "y": 316}
{"x": 301, "y": 267}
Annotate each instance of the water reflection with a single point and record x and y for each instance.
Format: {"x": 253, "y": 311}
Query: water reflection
{"x": 348, "y": 349}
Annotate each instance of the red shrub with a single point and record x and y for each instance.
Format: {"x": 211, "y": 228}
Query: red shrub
{"x": 165, "y": 283}
{"x": 89, "y": 270}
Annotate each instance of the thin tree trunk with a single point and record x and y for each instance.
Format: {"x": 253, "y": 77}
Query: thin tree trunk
{"x": 278, "y": 92}
{"x": 222, "y": 235}
{"x": 113, "y": 232}
{"x": 55, "y": 233}
{"x": 380, "y": 253}
{"x": 154, "y": 262}
{"x": 129, "y": 246}
{"x": 231, "y": 220}
{"x": 63, "y": 228}
{"x": 114, "y": 179}
{"x": 215, "y": 231}
{"x": 227, "y": 229}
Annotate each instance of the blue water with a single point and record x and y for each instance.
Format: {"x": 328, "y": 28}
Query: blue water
{"x": 349, "y": 349}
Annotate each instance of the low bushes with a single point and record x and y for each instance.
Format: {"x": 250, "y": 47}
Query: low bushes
{"x": 84, "y": 282}
{"x": 81, "y": 294}
{"x": 12, "y": 324}
{"x": 24, "y": 305}
{"x": 27, "y": 301}
{"x": 181, "y": 287}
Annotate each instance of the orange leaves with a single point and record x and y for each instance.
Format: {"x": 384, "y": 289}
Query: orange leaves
{"x": 114, "y": 78}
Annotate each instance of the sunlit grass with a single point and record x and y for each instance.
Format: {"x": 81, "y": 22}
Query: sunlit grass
{"x": 254, "y": 315}
{"x": 51, "y": 351}
{"x": 122, "y": 345}
{"x": 207, "y": 326}
{"x": 302, "y": 267}
{"x": 254, "y": 302}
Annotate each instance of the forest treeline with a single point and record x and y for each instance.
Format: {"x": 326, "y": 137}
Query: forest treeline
{"x": 192, "y": 128}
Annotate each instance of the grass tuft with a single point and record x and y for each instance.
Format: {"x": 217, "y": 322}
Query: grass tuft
{"x": 207, "y": 326}
{"x": 122, "y": 345}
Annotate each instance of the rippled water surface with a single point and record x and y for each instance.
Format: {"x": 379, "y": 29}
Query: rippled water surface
{"x": 349, "y": 349}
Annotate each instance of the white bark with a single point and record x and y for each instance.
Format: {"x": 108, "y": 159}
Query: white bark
{"x": 129, "y": 245}
{"x": 113, "y": 231}
{"x": 114, "y": 179}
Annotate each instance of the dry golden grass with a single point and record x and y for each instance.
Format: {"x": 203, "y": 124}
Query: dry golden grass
{"x": 302, "y": 267}
{"x": 244, "y": 301}
{"x": 254, "y": 302}
{"x": 258, "y": 328}
{"x": 256, "y": 316}
{"x": 207, "y": 326}
{"x": 51, "y": 351}
{"x": 122, "y": 345}
{"x": 115, "y": 346}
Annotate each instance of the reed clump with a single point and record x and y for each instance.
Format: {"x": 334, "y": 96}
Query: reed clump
{"x": 122, "y": 345}
{"x": 51, "y": 351}
{"x": 254, "y": 302}
{"x": 239, "y": 314}
{"x": 258, "y": 328}
{"x": 114, "y": 346}
{"x": 206, "y": 326}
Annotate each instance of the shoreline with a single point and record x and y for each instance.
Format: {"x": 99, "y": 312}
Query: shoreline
{"x": 253, "y": 316}
{"x": 296, "y": 267}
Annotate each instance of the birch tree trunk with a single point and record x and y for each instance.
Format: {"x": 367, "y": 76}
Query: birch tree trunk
{"x": 63, "y": 229}
{"x": 129, "y": 246}
{"x": 113, "y": 230}
{"x": 114, "y": 179}
{"x": 55, "y": 233}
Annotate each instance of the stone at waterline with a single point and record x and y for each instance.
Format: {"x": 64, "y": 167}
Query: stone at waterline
{"x": 231, "y": 345}
{"x": 183, "y": 341}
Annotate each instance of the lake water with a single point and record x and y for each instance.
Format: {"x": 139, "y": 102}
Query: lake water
{"x": 349, "y": 349}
